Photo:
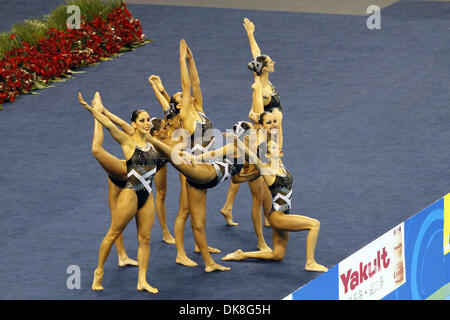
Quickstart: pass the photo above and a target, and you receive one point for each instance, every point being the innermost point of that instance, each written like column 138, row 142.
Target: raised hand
column 249, row 26
column 155, row 81
column 84, row 103
column 97, row 102
column 183, row 49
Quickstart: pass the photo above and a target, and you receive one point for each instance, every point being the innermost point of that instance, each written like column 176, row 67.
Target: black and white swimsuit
column 141, row 168
column 224, row 170
column 202, row 140
column 281, row 191
column 275, row 102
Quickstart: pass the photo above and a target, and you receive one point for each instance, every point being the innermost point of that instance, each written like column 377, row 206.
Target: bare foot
column 185, row 261
column 97, row 282
column 314, row 266
column 125, row 261
column 228, row 218
column 237, row 255
column 144, row 286
column 210, row 249
column 216, row 267
column 168, row 238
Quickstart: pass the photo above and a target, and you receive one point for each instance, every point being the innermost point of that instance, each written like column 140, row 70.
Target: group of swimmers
column 184, row 139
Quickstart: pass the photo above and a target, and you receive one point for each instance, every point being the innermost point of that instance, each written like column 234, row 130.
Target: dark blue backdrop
column 366, row 127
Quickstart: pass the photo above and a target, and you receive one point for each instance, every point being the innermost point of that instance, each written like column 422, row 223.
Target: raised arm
column 121, row 137
column 250, row 28
column 257, row 101
column 160, row 92
column 186, row 106
column 126, row 127
column 195, row 80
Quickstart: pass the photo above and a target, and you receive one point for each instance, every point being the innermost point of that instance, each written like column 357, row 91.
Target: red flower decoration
column 59, row 51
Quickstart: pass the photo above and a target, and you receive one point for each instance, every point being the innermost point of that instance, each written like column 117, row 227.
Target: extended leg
column 227, row 209
column 197, row 207
column 125, row 210
column 160, row 181
column 145, row 218
column 256, row 189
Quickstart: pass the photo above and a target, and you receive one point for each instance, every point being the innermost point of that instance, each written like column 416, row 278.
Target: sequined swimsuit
column 224, row 169
column 141, row 169
column 201, row 141
column 281, row 191
column 275, row 102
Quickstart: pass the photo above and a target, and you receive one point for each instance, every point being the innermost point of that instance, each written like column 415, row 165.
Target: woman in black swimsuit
column 202, row 172
column 279, row 180
column 187, row 113
column 262, row 66
column 136, row 198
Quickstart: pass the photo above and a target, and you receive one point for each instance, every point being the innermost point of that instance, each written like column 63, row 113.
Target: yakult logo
column 375, row 270
column 353, row 278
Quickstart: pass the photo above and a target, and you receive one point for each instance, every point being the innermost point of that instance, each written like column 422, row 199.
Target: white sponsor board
column 375, row 270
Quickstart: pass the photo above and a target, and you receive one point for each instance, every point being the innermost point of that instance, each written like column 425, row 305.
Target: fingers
column 84, row 103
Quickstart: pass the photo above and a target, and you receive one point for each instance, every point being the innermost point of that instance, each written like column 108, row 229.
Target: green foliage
column 33, row 30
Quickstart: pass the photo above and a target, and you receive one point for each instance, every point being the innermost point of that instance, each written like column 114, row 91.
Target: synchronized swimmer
column 148, row 144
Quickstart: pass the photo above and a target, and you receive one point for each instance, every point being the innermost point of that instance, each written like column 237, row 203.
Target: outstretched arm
column 265, row 170
column 160, row 92
column 250, row 28
column 195, row 80
column 121, row 137
column 250, row 175
column 97, row 103
column 228, row 150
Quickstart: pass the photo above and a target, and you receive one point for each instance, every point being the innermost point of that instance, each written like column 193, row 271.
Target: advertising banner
column 409, row 262
column 376, row 270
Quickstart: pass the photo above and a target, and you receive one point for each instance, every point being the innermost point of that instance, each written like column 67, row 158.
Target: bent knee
column 278, row 255
column 198, row 226
column 113, row 235
column 161, row 194
column 143, row 239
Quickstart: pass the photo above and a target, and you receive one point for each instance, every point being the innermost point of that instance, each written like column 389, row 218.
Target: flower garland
column 33, row 66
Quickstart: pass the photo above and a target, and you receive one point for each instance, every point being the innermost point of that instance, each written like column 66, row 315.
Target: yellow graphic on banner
column 447, row 224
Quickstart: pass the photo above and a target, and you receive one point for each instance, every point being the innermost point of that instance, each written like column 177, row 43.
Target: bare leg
column 180, row 222
column 256, row 189
column 113, row 194
column 197, row 207
column 291, row 222
column 280, row 241
column 145, row 218
column 160, row 181
column 125, row 210
column 115, row 168
column 281, row 224
column 227, row 209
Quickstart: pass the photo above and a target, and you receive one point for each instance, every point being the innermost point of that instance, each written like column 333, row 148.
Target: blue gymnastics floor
column 366, row 131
